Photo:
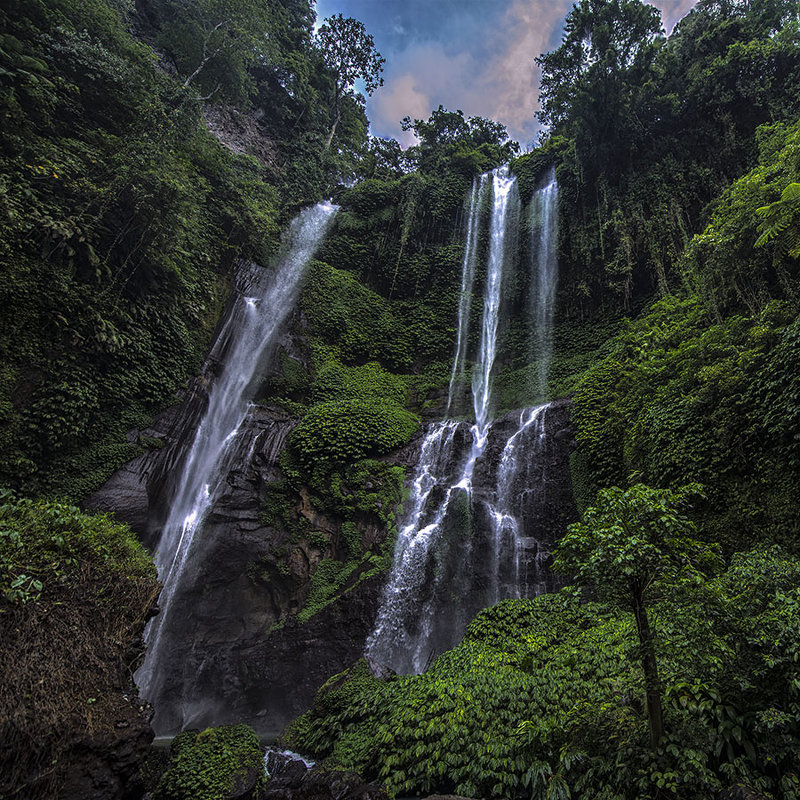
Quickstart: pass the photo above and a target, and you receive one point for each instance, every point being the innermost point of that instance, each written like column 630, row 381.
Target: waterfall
column 467, row 280
column 506, row 202
column 243, row 345
column 511, row 569
column 416, row 540
column 442, row 572
column 544, row 275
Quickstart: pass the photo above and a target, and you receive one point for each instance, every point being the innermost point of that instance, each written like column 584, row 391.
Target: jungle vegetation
column 678, row 161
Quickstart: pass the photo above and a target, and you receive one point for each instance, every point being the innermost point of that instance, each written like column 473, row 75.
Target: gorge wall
column 251, row 626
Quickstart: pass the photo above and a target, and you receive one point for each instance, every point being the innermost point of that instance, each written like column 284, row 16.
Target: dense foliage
column 75, row 590
column 633, row 547
column 214, row 763
column 546, row 696
column 123, row 216
column 703, row 386
column 114, row 262
column 648, row 130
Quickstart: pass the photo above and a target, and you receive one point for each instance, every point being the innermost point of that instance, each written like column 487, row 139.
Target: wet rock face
column 237, row 652
column 106, row 766
column 292, row 779
column 481, row 523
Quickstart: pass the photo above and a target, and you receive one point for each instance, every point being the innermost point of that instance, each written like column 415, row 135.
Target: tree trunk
column 333, row 130
column 655, row 713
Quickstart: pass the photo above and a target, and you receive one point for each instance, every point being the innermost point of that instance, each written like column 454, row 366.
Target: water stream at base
column 259, row 311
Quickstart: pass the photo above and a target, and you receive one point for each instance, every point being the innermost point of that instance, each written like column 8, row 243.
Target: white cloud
column 510, row 84
column 399, row 98
column 493, row 75
column 417, row 81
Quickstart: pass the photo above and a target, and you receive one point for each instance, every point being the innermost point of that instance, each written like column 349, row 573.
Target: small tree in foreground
column 634, row 546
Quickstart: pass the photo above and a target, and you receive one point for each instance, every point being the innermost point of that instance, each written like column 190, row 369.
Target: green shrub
column 682, row 398
column 549, row 691
column 216, row 763
column 48, row 547
column 339, row 432
column 75, row 591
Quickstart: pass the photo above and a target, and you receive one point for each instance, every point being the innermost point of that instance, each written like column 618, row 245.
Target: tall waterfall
column 244, row 343
column 466, row 540
column 544, row 275
column 506, row 206
column 468, row 265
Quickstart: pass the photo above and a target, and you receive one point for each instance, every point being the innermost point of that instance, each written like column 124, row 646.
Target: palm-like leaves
column 780, row 223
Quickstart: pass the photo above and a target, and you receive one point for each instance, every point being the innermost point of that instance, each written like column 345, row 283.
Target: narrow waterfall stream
column 266, row 299
column 544, row 276
column 469, row 263
column 468, row 538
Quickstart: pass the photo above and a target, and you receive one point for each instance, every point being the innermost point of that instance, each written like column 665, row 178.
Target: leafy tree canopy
column 606, row 42
column 630, row 547
column 214, row 42
column 634, row 544
column 348, row 51
column 447, row 136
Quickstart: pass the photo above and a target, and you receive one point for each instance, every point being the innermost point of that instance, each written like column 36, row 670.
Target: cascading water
column 506, row 204
column 467, row 541
column 544, row 275
column 467, row 280
column 513, row 491
column 242, row 347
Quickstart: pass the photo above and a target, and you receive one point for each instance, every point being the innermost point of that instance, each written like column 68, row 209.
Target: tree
column 592, row 86
column 386, row 160
column 633, row 547
column 780, row 223
column 448, row 136
column 214, row 42
column 349, row 52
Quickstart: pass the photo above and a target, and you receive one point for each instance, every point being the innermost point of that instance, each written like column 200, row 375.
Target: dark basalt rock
column 237, row 653
column 127, row 492
column 290, row 779
column 106, row 766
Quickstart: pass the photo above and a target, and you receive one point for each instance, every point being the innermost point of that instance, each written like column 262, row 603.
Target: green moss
column 351, row 539
column 326, row 583
column 339, row 432
column 358, row 322
column 218, row 762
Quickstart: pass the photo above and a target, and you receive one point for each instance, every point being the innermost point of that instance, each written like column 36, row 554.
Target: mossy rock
column 216, row 764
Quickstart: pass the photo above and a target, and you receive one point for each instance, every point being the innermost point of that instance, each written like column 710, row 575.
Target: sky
column 476, row 55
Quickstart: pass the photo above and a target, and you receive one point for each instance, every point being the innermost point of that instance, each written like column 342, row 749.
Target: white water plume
column 406, row 624
column 243, row 344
